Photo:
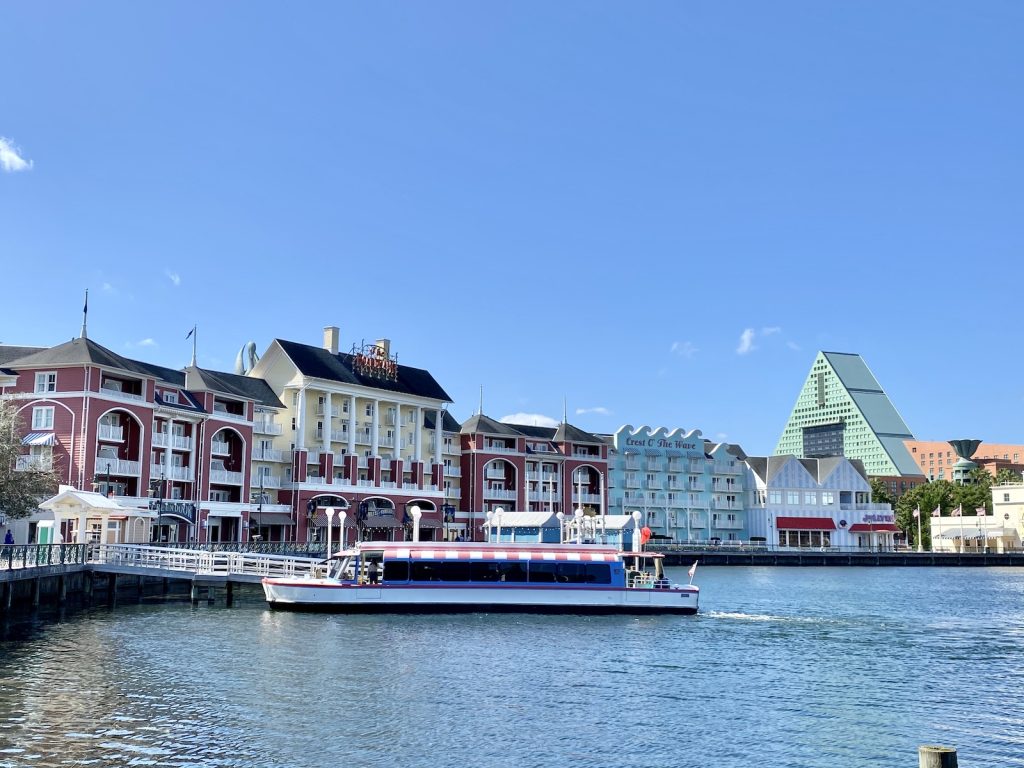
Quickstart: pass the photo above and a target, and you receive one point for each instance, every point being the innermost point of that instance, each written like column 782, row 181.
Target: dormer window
column 170, row 396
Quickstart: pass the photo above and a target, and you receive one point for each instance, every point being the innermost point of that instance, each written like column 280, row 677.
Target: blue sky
column 657, row 211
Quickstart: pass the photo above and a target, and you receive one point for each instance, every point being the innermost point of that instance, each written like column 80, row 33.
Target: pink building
column 175, row 442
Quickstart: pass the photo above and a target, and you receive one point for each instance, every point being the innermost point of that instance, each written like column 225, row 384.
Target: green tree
column 976, row 492
column 20, row 491
column 925, row 497
column 880, row 492
column 1007, row 476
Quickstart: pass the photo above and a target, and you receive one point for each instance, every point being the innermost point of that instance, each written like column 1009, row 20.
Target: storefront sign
column 183, row 509
column 882, row 518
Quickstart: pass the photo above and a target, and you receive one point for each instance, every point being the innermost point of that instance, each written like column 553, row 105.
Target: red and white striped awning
column 38, row 438
column 407, row 553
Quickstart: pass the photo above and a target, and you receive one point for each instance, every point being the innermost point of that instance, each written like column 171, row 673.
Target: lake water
column 783, row 667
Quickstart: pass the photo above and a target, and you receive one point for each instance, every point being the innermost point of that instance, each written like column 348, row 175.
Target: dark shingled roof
column 567, row 433
column 247, row 387
column 321, row 364
column 448, row 422
column 10, row 353
column 538, row 433
column 488, row 426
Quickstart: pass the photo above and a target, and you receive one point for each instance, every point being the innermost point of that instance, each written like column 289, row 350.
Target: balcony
column 726, row 524
column 695, row 486
column 181, row 474
column 727, row 468
column 656, row 483
column 177, row 442
column 695, row 465
column 866, row 507
column 266, row 427
column 220, row 448
column 495, row 474
column 453, row 493
column 655, row 465
column 33, row 464
column 586, row 498
column 118, row 467
column 268, row 481
column 676, row 465
column 385, row 441
column 312, row 457
column 321, row 410
column 340, row 435
column 110, row 432
column 632, row 482
column 499, row 448
column 720, row 504
column 450, row 471
column 268, row 454
column 499, row 493
column 632, row 462
column 224, row 477
column 228, row 416
column 363, row 436
column 117, row 394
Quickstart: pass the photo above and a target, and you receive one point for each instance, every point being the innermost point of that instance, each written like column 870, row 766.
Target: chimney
column 331, row 333
column 385, row 346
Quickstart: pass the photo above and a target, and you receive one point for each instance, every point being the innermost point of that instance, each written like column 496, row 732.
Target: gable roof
column 567, row 433
column 478, row 423
column 448, row 422
column 247, row 387
column 319, row 363
column 9, row 353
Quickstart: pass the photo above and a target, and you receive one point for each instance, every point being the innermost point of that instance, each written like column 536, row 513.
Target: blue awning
column 39, row 438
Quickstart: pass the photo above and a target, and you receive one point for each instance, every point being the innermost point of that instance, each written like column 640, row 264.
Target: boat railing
column 639, row 580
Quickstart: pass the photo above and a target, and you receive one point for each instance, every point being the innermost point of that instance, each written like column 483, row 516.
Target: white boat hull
column 331, row 595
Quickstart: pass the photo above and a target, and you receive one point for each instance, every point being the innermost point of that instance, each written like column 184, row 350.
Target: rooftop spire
column 85, row 314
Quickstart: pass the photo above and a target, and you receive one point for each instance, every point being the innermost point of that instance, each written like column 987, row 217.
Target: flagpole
column 960, row 511
column 920, row 541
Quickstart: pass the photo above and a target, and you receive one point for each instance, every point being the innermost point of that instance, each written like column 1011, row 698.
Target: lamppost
column 259, row 511
column 156, row 488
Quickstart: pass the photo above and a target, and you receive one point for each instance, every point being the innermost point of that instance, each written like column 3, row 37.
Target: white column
column 167, row 450
column 438, row 434
column 418, row 434
column 300, row 420
column 327, row 422
column 352, row 426
column 375, row 430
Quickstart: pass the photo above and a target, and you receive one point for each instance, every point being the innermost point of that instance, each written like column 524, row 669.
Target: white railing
column 33, row 464
column 362, row 436
column 499, row 449
column 656, row 483
column 228, row 416
column 654, row 465
column 110, row 432
column 183, row 474
column 217, row 446
column 116, row 393
column 631, row 482
column 341, row 435
column 117, row 466
column 179, row 442
column 268, row 454
column 267, row 427
column 386, row 442
column 224, row 477
column 321, row 410
column 364, row 483
column 727, row 524
column 451, row 493
column 496, row 493
column 269, row 481
column 495, row 474
column 205, row 562
column 676, row 465
column 586, row 498
column 727, row 467
column 388, row 484
column 452, row 471
column 866, row 507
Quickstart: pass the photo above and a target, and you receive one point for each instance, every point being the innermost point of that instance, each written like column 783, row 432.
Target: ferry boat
column 448, row 577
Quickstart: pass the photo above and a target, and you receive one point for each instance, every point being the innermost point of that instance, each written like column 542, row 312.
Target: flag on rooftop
column 981, row 511
column 917, row 511
column 937, row 511
column 957, row 512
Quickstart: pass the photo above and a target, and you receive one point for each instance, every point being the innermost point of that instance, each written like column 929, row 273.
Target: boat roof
column 479, row 550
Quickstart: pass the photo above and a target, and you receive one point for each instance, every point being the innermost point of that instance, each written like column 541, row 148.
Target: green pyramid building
column 843, row 411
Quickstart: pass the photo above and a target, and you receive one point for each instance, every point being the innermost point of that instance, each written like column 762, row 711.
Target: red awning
column 805, row 523
column 874, row 528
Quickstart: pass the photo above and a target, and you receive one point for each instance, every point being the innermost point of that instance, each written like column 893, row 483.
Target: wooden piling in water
column 36, row 589
column 932, row 756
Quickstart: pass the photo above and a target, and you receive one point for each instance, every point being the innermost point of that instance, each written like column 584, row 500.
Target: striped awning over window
column 39, row 438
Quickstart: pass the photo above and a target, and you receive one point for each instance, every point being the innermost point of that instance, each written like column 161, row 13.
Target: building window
column 793, row 497
column 1006, row 497
column 46, row 382
column 369, row 409
column 811, row 498
column 42, row 418
column 774, row 497
column 827, row 498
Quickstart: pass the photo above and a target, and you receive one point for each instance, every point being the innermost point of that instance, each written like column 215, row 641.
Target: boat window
column 492, row 570
column 598, row 573
column 542, row 573
column 426, row 571
column 396, row 570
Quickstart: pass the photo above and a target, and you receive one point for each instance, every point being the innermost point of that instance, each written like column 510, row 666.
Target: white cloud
column 599, row 410
column 107, row 288
column 10, row 160
column 721, row 437
column 771, row 330
column 174, row 277
column 793, row 345
column 683, row 348
column 530, row 419
column 746, row 342
column 147, row 342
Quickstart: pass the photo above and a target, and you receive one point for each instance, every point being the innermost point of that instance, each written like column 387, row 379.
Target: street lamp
column 156, row 488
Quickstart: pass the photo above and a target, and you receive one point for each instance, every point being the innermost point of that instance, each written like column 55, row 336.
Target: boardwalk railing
column 18, row 556
column 202, row 561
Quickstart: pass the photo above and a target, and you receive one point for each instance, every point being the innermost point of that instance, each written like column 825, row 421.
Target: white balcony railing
column 497, row 448
column 266, row 427
column 452, row 471
column 177, row 442
column 224, row 477
column 33, row 464
column 498, row 493
column 219, row 447
column 117, row 466
column 118, row 394
column 341, row 435
column 586, row 498
column 269, row 481
column 109, row 432
column 452, row 493
column 386, row 442
column 495, row 474
column 268, row 454
column 181, row 474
